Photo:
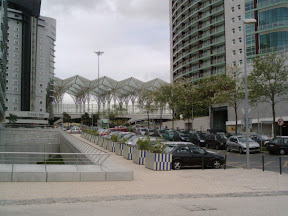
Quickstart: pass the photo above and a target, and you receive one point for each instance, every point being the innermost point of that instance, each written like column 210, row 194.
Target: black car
column 278, row 145
column 192, row 155
column 183, row 136
column 217, row 141
column 198, row 139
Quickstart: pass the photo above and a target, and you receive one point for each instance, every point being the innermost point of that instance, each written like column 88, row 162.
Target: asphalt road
column 271, row 162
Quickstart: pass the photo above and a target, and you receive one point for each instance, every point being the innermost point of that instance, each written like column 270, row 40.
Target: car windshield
column 243, row 139
column 169, row 148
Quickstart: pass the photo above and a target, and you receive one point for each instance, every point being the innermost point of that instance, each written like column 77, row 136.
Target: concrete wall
column 199, row 124
column 28, row 140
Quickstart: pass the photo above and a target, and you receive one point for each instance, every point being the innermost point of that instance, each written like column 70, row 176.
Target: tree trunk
column 274, row 118
column 148, row 121
column 236, row 119
column 161, row 112
column 173, row 119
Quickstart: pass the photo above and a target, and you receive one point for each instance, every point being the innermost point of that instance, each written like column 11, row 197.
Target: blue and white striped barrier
column 128, row 152
column 139, row 156
column 157, row 161
column 119, row 148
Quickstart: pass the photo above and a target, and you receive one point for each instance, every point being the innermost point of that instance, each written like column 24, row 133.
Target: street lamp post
column 99, row 53
column 246, row 21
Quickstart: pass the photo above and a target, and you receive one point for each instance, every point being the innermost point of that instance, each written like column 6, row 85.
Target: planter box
column 157, row 161
column 139, row 156
column 111, row 146
column 119, row 149
column 101, row 143
column 105, row 142
column 128, row 152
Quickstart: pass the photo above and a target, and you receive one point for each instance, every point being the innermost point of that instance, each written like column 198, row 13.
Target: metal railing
column 43, row 158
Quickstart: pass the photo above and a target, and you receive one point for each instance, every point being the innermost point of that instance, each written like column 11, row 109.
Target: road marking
column 286, row 163
column 233, row 162
column 218, row 151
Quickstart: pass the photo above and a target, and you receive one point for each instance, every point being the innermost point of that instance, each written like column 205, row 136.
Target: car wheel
column 241, row 150
column 281, row 151
column 228, row 148
column 177, row 165
column 216, row 164
column 207, row 145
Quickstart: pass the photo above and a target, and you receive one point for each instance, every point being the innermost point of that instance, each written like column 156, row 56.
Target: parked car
column 171, row 135
column 279, row 145
column 260, row 139
column 141, row 131
column 238, row 143
column 107, row 131
column 158, row 133
column 192, row 155
column 74, row 130
column 133, row 139
column 184, row 136
column 198, row 139
column 217, row 141
column 149, row 132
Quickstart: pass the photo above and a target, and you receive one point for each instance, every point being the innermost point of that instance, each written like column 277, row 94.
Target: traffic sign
column 280, row 122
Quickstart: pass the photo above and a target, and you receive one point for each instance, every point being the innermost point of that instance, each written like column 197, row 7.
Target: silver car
column 238, row 143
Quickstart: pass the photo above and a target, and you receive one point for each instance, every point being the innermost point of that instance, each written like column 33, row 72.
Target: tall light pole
column 246, row 21
column 99, row 53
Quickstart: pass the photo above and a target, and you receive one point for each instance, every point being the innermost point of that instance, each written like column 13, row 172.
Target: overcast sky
column 134, row 35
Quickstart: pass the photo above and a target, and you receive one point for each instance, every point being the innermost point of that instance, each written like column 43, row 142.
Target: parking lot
column 271, row 162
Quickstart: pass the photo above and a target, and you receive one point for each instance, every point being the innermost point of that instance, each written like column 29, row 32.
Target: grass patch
column 53, row 160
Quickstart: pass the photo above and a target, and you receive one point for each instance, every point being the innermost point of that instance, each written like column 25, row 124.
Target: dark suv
column 278, row 145
column 192, row 155
column 217, row 141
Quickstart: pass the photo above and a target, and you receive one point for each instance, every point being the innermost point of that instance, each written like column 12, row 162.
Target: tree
column 160, row 103
column 96, row 117
column 119, row 109
column 234, row 95
column 168, row 92
column 66, row 118
column 208, row 88
column 186, row 104
column 147, row 103
column 12, row 118
column 268, row 81
column 86, row 118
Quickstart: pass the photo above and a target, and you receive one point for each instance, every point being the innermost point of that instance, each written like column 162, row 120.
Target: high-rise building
column 30, row 66
column 197, row 38
column 3, row 55
column 208, row 35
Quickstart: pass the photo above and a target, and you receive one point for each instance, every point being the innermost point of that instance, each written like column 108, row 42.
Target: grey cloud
column 146, row 9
